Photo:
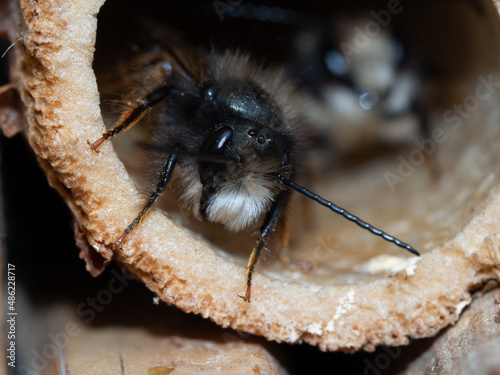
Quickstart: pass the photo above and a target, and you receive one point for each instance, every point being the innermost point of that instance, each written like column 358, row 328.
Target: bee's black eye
column 215, row 145
column 252, row 132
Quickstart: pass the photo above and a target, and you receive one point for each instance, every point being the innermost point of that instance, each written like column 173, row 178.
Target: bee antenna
column 345, row 214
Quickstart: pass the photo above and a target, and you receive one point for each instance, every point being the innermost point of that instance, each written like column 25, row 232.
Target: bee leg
column 272, row 223
column 426, row 133
column 252, row 262
column 165, row 175
column 283, row 255
column 133, row 115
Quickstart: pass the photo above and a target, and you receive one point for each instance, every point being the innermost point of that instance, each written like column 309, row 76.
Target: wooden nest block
column 358, row 295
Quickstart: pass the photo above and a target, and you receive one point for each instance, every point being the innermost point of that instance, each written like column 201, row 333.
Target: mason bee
column 233, row 132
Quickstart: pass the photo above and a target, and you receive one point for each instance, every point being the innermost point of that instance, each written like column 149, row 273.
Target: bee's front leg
column 164, row 179
column 133, row 115
column 273, row 231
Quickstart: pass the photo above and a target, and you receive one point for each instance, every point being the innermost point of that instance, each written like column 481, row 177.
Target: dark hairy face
column 247, row 119
column 247, row 127
column 247, row 130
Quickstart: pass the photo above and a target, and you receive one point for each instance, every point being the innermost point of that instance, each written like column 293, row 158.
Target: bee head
column 248, row 131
